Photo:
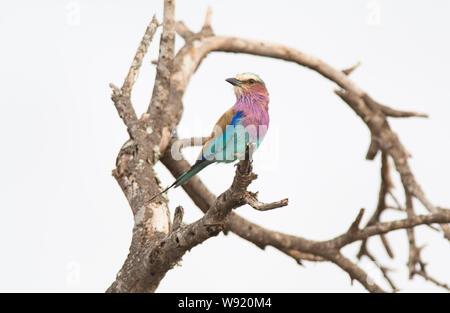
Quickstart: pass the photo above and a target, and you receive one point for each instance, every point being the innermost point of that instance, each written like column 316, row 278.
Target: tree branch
column 139, row 56
column 295, row 247
column 252, row 200
column 385, row 189
column 160, row 95
column 350, row 70
column 385, row 227
column 134, row 165
column 388, row 141
column 160, row 256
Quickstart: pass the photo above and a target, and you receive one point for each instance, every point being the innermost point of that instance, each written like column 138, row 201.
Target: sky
column 66, row 226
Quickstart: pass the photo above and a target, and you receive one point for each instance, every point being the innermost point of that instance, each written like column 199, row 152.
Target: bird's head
column 248, row 84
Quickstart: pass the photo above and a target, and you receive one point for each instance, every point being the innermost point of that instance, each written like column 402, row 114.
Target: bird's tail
column 197, row 167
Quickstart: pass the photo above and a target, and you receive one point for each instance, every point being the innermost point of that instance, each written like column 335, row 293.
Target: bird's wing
column 219, row 136
column 219, row 139
column 222, row 123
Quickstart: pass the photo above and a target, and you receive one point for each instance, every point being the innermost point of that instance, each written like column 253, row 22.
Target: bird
column 245, row 123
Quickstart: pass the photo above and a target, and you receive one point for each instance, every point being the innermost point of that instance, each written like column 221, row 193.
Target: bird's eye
column 251, row 81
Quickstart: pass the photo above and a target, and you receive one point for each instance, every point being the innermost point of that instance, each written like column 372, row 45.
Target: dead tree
column 158, row 244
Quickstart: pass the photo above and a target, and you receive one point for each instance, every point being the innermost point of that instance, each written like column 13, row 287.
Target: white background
column 65, row 224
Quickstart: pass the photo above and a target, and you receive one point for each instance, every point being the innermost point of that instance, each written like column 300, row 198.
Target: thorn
column 355, row 225
column 349, row 70
column 207, row 22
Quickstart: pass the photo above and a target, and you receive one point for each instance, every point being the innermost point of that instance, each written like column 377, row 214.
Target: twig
column 126, row 111
column 183, row 30
column 160, row 95
column 121, row 98
column 207, row 22
column 399, row 206
column 384, row 270
column 385, row 188
column 252, row 200
column 350, row 70
column 354, row 271
column 388, row 111
column 354, row 227
column 385, row 227
column 139, row 56
column 432, row 280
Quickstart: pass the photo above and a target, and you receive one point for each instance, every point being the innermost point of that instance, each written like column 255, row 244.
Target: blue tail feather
column 197, row 167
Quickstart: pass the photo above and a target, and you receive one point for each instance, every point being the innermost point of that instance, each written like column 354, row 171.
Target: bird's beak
column 234, row 81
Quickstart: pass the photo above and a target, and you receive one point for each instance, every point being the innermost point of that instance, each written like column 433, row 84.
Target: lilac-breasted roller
column 245, row 123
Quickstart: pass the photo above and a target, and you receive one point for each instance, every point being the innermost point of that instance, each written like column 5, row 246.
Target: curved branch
column 252, row 200
column 385, row 227
column 361, row 104
column 382, row 136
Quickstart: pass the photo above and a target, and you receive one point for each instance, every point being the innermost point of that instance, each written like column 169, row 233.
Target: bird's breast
column 255, row 117
column 256, row 124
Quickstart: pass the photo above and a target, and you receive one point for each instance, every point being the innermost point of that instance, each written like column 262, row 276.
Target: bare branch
column 414, row 252
column 385, row 227
column 208, row 16
column 161, row 87
column 355, row 272
column 354, row 227
column 399, row 206
column 389, row 142
column 126, row 111
column 432, row 280
column 388, row 111
column 158, row 257
column 293, row 246
column 300, row 256
column 182, row 30
column 385, row 189
column 139, row 56
column 252, row 200
column 387, row 246
column 134, row 165
column 121, row 98
column 384, row 270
